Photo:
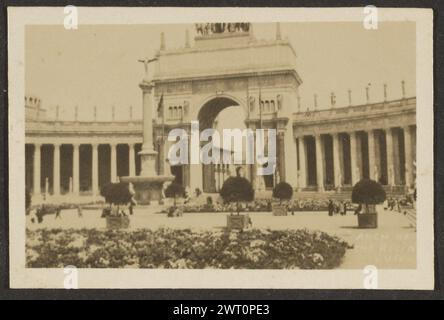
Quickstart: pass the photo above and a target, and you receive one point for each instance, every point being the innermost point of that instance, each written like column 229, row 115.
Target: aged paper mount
column 93, row 105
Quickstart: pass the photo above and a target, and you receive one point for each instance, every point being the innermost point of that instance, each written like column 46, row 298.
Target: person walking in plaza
column 358, row 209
column 344, row 209
column 385, row 204
column 331, row 208
column 341, row 207
column 57, row 213
column 79, row 211
column 398, row 205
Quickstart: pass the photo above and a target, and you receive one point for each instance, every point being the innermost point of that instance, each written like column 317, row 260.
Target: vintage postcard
column 221, row 148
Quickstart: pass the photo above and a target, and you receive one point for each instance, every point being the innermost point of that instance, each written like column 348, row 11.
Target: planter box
column 175, row 212
column 279, row 210
column 368, row 220
column 113, row 222
column 238, row 222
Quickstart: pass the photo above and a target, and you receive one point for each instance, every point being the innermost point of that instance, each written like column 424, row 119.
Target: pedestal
column 148, row 186
column 147, row 189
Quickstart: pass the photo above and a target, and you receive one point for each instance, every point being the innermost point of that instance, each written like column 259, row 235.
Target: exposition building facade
column 317, row 151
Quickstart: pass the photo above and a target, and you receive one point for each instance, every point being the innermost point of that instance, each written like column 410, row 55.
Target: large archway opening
column 219, row 113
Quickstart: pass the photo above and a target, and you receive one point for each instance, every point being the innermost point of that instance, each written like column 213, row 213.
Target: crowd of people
column 39, row 212
column 263, row 205
column 201, row 203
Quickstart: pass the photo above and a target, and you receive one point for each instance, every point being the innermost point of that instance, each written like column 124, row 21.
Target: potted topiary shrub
column 368, row 193
column 282, row 191
column 175, row 190
column 237, row 190
column 116, row 195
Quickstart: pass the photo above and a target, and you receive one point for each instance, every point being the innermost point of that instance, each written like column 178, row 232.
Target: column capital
column 146, row 86
column 37, row 145
column 75, row 145
column 57, row 144
column 95, row 145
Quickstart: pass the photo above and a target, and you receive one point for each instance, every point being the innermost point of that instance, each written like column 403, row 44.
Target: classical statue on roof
column 205, row 29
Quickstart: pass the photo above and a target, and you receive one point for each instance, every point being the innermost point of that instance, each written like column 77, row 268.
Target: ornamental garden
column 130, row 237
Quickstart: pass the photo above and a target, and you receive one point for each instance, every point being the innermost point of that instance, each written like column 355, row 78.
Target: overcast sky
column 97, row 65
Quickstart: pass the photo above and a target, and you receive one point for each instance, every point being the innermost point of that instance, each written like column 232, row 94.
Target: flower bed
column 167, row 248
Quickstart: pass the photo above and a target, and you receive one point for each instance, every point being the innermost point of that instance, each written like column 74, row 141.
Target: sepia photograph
column 221, row 149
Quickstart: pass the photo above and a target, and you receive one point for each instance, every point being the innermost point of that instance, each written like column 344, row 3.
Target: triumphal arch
column 225, row 67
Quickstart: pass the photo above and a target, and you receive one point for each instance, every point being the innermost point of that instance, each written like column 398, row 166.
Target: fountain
column 148, row 185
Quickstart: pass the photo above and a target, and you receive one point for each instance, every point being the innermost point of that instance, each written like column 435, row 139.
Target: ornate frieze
column 180, row 87
column 219, row 85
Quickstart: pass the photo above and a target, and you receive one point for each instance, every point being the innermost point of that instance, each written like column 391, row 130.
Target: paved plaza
column 392, row 245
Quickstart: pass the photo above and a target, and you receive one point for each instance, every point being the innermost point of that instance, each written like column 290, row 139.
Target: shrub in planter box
column 282, row 191
column 367, row 193
column 116, row 195
column 173, row 191
column 239, row 222
column 236, row 190
column 117, row 222
column 175, row 211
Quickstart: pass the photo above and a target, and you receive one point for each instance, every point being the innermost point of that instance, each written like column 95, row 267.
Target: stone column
column 132, row 161
column 389, row 146
column 288, row 169
column 296, row 164
column 408, row 156
column 147, row 154
column 336, row 163
column 319, row 163
column 396, row 157
column 37, row 168
column 353, row 158
column 217, row 176
column 56, row 167
column 371, row 155
column 377, row 150
column 281, row 159
column 113, row 162
column 95, row 169
column 75, row 169
column 302, row 163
